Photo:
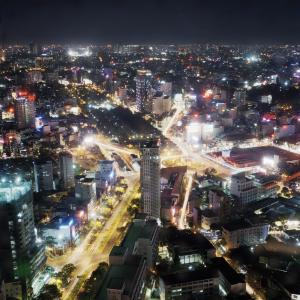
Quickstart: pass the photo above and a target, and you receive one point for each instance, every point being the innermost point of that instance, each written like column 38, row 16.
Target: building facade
column 85, row 189
column 244, row 189
column 150, row 178
column 244, row 233
column 43, row 176
column 144, row 91
column 66, row 169
column 21, row 256
column 24, row 113
column 107, row 175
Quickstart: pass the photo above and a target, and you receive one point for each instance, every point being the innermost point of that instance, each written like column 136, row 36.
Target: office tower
column 85, row 189
column 150, row 178
column 66, row 169
column 21, row 255
column 43, row 175
column 24, row 113
column 143, row 91
column 106, row 176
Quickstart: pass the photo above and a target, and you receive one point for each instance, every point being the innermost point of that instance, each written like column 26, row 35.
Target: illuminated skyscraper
column 150, row 178
column 66, row 169
column 144, row 91
column 43, row 176
column 21, row 255
column 25, row 113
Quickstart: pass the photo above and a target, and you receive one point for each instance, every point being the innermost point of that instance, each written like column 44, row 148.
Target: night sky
column 144, row 21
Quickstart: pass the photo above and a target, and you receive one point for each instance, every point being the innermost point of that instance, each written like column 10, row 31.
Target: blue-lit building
column 22, row 255
column 61, row 233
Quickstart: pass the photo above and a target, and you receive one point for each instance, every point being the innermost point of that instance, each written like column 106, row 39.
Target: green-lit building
column 21, row 255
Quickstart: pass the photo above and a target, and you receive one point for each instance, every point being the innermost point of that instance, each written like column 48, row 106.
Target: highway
column 86, row 257
column 172, row 121
column 188, row 189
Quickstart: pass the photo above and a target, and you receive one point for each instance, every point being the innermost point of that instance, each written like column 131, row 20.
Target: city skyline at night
column 149, row 150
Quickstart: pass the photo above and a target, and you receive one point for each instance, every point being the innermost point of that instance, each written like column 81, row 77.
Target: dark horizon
column 148, row 22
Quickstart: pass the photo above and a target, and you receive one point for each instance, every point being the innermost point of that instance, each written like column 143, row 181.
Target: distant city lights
column 79, row 52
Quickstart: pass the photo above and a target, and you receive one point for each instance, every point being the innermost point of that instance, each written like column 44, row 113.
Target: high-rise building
column 144, row 91
column 106, row 176
column 150, row 178
column 21, row 255
column 24, row 113
column 85, row 189
column 66, row 169
column 43, row 175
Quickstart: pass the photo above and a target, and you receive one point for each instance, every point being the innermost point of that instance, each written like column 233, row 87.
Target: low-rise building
column 243, row 189
column 233, row 283
column 60, row 234
column 184, row 284
column 244, row 233
column 189, row 248
column 209, row 218
column 161, row 104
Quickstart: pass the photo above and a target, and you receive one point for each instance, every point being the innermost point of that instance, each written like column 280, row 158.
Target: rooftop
column 190, row 276
column 58, row 221
column 237, row 224
column 186, row 241
column 118, row 251
column 119, row 276
column 150, row 144
column 139, row 229
column 229, row 273
column 290, row 279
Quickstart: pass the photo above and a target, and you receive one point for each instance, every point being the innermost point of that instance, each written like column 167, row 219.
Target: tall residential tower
column 66, row 169
column 144, row 91
column 150, row 178
column 24, row 113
